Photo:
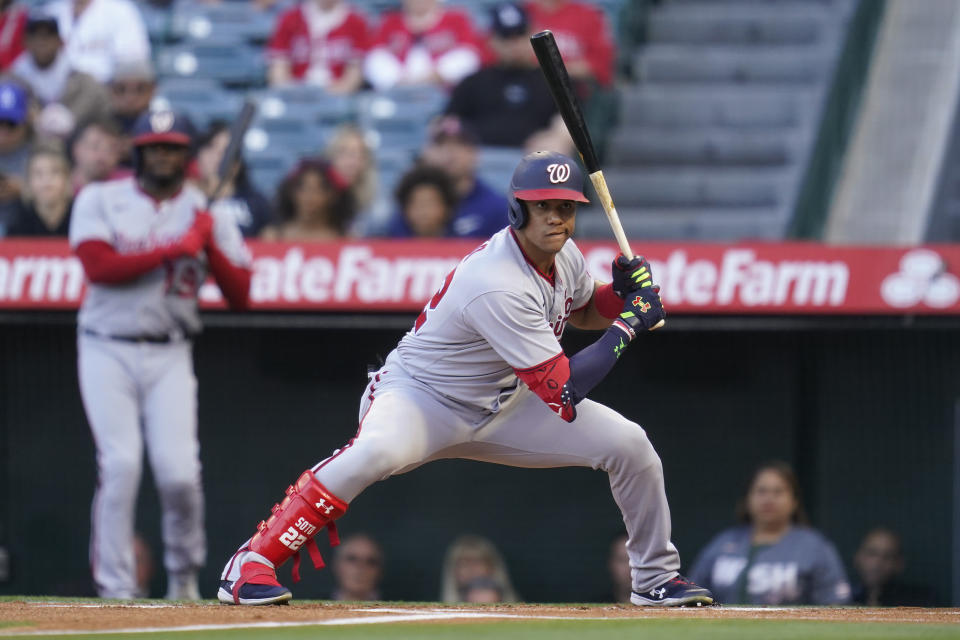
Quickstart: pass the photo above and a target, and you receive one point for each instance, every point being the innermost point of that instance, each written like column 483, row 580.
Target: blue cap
column 162, row 127
column 547, row 175
column 509, row 20
column 13, row 102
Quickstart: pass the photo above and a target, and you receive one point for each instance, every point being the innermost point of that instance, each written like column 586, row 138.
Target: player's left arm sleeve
column 230, row 262
column 829, row 580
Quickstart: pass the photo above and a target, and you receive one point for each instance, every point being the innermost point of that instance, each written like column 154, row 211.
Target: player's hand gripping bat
column 230, row 162
column 555, row 72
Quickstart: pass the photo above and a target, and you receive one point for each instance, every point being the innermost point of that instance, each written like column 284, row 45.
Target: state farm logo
column 922, row 278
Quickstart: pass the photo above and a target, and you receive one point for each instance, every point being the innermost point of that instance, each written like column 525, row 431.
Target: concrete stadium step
column 706, row 106
column 652, row 146
column 705, row 25
column 673, row 187
column 698, row 224
column 768, row 65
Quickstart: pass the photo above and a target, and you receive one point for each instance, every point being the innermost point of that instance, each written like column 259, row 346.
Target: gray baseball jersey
column 803, row 567
column 163, row 301
column 144, row 395
column 494, row 314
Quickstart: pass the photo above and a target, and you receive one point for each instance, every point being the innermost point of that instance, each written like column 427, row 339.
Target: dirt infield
column 30, row 615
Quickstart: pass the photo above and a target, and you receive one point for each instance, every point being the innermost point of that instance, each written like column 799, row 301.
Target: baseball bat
column 558, row 80
column 234, row 150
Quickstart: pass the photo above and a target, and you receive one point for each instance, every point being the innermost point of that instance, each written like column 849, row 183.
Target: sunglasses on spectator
column 370, row 561
column 121, row 88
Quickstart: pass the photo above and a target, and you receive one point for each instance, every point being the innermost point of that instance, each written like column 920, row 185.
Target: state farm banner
column 400, row 275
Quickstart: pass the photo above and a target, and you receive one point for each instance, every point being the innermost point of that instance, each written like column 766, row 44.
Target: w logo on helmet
column 558, row 172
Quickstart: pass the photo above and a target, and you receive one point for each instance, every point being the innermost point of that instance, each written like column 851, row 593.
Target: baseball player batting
column 481, row 375
column 146, row 244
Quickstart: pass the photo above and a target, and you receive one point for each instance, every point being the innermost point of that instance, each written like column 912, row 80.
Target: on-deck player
column 481, row 375
column 146, row 243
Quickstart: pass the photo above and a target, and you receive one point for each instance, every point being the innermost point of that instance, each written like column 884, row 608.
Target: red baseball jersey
column 13, row 21
column 331, row 45
column 582, row 33
column 453, row 29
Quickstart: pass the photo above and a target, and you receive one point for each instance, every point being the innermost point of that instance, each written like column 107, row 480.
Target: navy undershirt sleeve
column 590, row 365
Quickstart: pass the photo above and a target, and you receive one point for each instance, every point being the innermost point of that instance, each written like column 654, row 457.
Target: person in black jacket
column 508, row 103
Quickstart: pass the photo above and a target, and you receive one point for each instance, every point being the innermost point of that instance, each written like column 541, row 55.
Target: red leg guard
column 307, row 508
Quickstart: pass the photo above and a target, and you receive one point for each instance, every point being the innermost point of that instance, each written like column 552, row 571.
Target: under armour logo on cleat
column 658, row 593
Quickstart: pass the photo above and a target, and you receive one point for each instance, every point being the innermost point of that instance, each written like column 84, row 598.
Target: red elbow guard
column 549, row 380
column 608, row 303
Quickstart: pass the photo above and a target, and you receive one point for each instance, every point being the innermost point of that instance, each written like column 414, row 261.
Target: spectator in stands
column 357, row 568
column 321, row 43
column 16, row 139
column 65, row 96
column 879, row 565
column 99, row 34
column 47, row 197
column 131, row 91
column 587, row 44
column 237, row 196
column 95, row 151
column 508, row 103
column 313, row 203
column 13, row 21
column 482, row 590
column 353, row 159
column 452, row 146
column 423, row 44
column 618, row 563
column 132, row 87
column 774, row 557
column 583, row 36
column 470, row 562
column 426, row 202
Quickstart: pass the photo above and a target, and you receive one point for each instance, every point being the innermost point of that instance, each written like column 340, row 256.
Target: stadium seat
column 290, row 135
column 237, row 22
column 203, row 100
column 770, row 65
column 267, row 169
column 703, row 107
column 495, row 165
column 653, row 146
column 228, row 63
column 307, row 103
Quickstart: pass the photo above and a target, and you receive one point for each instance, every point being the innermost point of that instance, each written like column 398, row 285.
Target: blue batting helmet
column 543, row 175
column 162, row 127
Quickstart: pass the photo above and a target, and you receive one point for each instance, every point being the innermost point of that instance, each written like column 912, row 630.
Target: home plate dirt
column 93, row 615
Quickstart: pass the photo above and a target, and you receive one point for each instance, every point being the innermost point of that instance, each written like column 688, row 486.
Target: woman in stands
column 472, row 565
column 352, row 158
column 426, row 203
column 314, row 203
column 773, row 557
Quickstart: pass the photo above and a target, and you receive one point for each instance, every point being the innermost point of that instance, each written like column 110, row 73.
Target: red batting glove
column 195, row 239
